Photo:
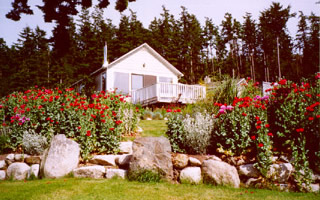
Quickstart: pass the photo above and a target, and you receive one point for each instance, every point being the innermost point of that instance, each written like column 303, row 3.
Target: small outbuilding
column 147, row 77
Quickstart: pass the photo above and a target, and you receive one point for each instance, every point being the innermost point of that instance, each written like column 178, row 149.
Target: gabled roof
column 151, row 50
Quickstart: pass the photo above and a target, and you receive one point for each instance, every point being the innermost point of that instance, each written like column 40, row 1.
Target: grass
column 153, row 128
column 71, row 188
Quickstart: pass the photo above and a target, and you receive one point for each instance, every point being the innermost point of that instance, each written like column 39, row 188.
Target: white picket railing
column 169, row 92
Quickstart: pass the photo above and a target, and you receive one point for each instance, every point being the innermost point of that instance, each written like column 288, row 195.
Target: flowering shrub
column 243, row 128
column 296, row 108
column 96, row 123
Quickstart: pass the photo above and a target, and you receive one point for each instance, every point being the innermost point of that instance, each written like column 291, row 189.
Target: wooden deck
column 168, row 93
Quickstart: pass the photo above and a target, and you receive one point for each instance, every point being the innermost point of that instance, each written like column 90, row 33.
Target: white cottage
column 147, row 77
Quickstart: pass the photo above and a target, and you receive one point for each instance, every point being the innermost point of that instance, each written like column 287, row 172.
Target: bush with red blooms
column 95, row 122
column 294, row 113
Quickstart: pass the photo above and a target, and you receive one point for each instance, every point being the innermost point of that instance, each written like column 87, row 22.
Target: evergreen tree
column 273, row 28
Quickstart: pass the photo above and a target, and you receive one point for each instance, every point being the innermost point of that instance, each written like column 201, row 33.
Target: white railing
column 169, row 92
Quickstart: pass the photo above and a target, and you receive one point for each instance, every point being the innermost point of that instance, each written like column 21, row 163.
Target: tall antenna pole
column 278, row 58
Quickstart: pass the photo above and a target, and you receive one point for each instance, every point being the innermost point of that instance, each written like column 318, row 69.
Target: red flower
column 270, row 134
column 258, row 122
column 39, row 107
column 244, row 114
column 253, row 137
column 260, row 145
column 283, row 82
column 257, row 118
column 61, row 109
column 311, row 118
column 318, row 116
column 48, row 119
column 118, row 122
column 267, row 125
column 103, row 121
column 79, row 127
column 300, row 130
column 258, row 127
column 93, row 116
column 88, row 133
column 169, row 110
column 111, row 129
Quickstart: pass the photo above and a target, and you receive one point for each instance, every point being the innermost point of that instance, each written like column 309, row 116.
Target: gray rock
column 3, row 164
column 191, row 175
column 34, row 169
column 125, row 148
column 10, row 159
column 274, row 158
column 213, row 157
column 2, row 174
column 251, row 182
column 61, row 158
column 315, row 187
column 139, row 130
column 280, row 172
column 32, row 160
column 120, row 173
column 220, row 173
column 107, row 160
column 249, row 171
column 18, row 171
column 241, row 162
column 194, row 162
column 180, row 161
column 123, row 161
column 20, row 157
column 284, row 187
column 152, row 153
column 96, row 172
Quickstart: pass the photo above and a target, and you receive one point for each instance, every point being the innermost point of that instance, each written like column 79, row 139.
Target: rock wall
column 62, row 158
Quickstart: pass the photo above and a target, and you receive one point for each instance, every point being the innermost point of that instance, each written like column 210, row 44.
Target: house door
column 136, row 81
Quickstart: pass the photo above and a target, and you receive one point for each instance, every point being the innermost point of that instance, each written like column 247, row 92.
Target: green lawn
column 71, row 188
column 153, row 128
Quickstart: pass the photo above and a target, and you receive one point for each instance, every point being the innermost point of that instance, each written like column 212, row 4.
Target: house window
column 104, row 81
column 165, row 79
column 136, row 81
column 121, row 82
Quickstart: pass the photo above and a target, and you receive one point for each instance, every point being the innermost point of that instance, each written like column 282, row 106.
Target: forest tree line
column 249, row 49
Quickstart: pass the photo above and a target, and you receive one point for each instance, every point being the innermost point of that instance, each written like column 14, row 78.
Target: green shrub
column 145, row 176
column 197, row 132
column 157, row 116
column 34, row 144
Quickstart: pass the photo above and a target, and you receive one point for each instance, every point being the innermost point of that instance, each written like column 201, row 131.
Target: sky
column 147, row 10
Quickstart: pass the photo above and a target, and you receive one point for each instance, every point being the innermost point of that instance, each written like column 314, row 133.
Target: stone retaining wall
column 62, row 158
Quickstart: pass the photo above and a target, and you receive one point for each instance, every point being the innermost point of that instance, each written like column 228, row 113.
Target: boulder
column 96, row 172
column 220, row 173
column 2, row 174
column 61, row 158
column 32, row 160
column 251, row 182
column 180, row 161
column 152, row 153
column 125, row 148
column 34, row 169
column 194, row 162
column 3, row 164
column 315, row 187
column 18, row 171
column 280, row 172
column 190, row 175
column 123, row 161
column 248, row 170
column 120, row 173
column 20, row 157
column 10, row 159
column 107, row 160
column 213, row 157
